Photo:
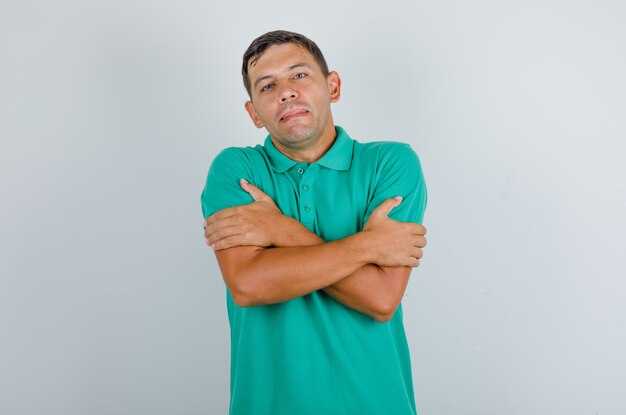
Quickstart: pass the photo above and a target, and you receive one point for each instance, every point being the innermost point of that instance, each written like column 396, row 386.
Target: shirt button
column 305, row 187
column 300, row 170
column 307, row 208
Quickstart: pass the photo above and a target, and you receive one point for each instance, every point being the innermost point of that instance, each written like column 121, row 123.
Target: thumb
column 254, row 191
column 386, row 207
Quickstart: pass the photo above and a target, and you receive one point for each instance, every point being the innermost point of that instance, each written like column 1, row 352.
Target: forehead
column 278, row 58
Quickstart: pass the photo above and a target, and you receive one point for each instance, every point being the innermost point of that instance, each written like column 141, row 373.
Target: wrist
column 359, row 247
column 293, row 233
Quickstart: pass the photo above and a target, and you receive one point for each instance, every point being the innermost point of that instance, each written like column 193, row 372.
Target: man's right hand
column 393, row 243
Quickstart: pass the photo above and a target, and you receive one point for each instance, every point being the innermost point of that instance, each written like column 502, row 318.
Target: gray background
column 111, row 112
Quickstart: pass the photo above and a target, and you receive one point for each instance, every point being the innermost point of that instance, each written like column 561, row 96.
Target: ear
column 334, row 86
column 253, row 115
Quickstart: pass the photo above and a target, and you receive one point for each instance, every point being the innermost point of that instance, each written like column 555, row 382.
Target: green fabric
column 312, row 355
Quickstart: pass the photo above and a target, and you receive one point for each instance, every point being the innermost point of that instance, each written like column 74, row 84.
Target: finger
column 411, row 261
column 415, row 228
column 421, row 229
column 385, row 207
column 420, row 241
column 222, row 233
column 414, row 253
column 214, row 226
column 229, row 242
column 213, row 223
column 417, row 253
column 221, row 215
column 256, row 193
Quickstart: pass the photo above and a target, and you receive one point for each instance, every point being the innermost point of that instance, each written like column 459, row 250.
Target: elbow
column 239, row 274
column 388, row 301
column 382, row 318
column 385, row 312
column 240, row 299
column 379, row 318
column 243, row 294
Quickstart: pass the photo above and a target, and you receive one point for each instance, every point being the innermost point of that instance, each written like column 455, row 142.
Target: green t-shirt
column 313, row 355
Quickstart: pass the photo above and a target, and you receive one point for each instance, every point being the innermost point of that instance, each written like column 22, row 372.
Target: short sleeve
column 222, row 189
column 399, row 173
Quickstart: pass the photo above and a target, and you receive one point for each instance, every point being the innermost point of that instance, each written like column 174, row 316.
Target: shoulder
column 238, row 155
column 239, row 159
column 387, row 153
column 394, row 169
column 222, row 188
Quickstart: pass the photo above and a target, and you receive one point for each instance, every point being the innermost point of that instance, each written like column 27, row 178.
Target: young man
column 316, row 235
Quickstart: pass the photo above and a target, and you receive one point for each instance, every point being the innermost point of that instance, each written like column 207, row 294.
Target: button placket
column 306, row 196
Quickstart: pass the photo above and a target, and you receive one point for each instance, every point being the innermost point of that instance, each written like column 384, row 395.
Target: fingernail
column 398, row 198
column 244, row 180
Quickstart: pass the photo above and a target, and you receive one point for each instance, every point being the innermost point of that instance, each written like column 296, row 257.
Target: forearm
column 372, row 290
column 293, row 233
column 276, row 259
column 369, row 289
column 258, row 276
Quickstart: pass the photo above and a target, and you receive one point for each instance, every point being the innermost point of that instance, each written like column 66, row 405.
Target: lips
column 293, row 113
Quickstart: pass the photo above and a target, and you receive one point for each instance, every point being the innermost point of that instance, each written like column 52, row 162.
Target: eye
column 267, row 87
column 299, row 75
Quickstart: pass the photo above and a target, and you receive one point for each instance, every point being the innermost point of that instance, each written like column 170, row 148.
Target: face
column 291, row 97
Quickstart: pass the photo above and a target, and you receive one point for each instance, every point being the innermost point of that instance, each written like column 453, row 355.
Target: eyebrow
column 291, row 68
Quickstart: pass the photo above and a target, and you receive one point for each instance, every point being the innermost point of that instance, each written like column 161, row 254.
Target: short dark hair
column 278, row 37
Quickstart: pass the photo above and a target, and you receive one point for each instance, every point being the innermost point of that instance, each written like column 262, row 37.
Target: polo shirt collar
column 338, row 156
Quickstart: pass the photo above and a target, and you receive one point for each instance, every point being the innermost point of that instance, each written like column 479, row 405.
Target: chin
column 300, row 134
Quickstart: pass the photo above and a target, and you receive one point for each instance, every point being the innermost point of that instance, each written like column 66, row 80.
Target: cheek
column 264, row 111
column 322, row 95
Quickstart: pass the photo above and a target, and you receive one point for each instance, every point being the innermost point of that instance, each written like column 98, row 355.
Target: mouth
column 294, row 113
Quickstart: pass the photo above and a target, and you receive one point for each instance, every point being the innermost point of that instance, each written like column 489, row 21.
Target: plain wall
column 111, row 111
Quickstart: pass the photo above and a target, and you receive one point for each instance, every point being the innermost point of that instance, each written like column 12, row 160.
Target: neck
column 316, row 151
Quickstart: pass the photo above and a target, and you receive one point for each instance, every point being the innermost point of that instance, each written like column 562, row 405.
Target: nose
column 288, row 93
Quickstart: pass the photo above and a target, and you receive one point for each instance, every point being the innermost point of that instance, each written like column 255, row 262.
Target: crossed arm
column 367, row 271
